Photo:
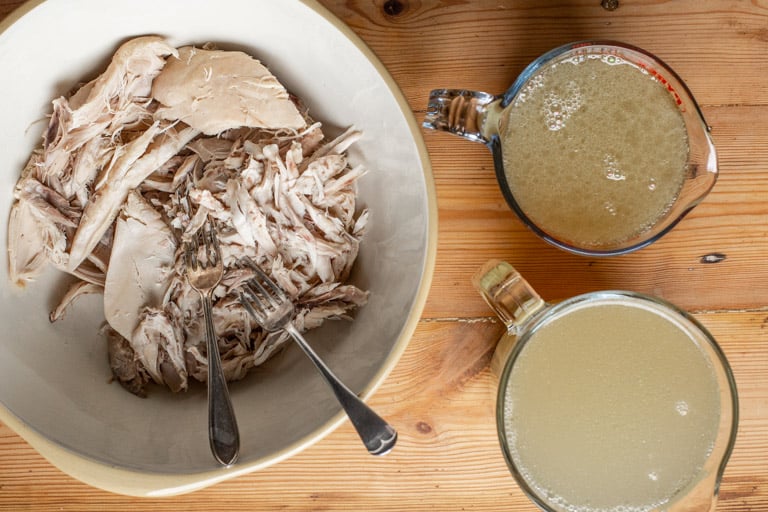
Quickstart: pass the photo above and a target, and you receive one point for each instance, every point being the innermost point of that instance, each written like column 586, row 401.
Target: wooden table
column 440, row 396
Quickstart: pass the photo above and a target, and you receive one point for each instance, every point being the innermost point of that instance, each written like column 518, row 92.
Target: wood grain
column 716, row 46
column 441, row 394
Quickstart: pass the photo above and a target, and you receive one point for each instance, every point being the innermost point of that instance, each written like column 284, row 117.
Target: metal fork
column 273, row 310
column 202, row 256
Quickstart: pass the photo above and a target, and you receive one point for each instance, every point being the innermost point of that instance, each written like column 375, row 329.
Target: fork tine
column 214, row 243
column 190, row 258
column 208, row 237
column 257, row 293
column 213, row 250
column 263, row 281
column 276, row 290
column 263, row 292
column 186, row 253
column 247, row 299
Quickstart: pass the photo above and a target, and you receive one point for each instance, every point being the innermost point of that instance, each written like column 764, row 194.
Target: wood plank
column 717, row 46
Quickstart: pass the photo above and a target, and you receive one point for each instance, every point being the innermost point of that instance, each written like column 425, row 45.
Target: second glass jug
column 609, row 401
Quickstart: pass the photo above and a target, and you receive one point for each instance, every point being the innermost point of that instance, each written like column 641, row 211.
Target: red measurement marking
column 658, row 76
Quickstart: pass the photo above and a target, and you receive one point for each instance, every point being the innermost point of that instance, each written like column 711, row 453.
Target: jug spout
column 508, row 294
column 460, row 112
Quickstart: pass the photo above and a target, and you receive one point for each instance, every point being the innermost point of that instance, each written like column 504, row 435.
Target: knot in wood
column 423, row 427
column 394, row 7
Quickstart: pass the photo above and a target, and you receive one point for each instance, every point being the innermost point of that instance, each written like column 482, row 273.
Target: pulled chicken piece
column 214, row 91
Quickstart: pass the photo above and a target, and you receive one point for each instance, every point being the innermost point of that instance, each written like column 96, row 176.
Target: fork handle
column 223, row 433
column 378, row 436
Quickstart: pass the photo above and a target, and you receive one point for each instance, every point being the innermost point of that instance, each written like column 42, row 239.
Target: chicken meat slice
column 214, row 91
column 78, row 289
column 27, row 240
column 143, row 259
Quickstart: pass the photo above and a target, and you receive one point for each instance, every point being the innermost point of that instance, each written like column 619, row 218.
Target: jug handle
column 460, row 112
column 508, row 294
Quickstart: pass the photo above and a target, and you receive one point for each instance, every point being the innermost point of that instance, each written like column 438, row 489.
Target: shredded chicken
column 137, row 159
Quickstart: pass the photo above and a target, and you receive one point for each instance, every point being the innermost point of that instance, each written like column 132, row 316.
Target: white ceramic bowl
column 54, row 378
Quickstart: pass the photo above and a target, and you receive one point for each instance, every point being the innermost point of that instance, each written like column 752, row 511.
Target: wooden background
column 440, row 396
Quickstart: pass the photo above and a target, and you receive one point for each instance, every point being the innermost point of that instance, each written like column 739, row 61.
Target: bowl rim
column 149, row 484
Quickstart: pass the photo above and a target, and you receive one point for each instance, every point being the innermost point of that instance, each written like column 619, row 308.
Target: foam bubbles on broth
column 595, row 150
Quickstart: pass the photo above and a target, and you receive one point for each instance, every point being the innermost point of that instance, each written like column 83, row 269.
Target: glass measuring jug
column 610, row 401
column 598, row 147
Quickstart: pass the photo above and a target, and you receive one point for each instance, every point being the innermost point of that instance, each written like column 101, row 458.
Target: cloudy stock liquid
column 611, row 407
column 595, row 150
